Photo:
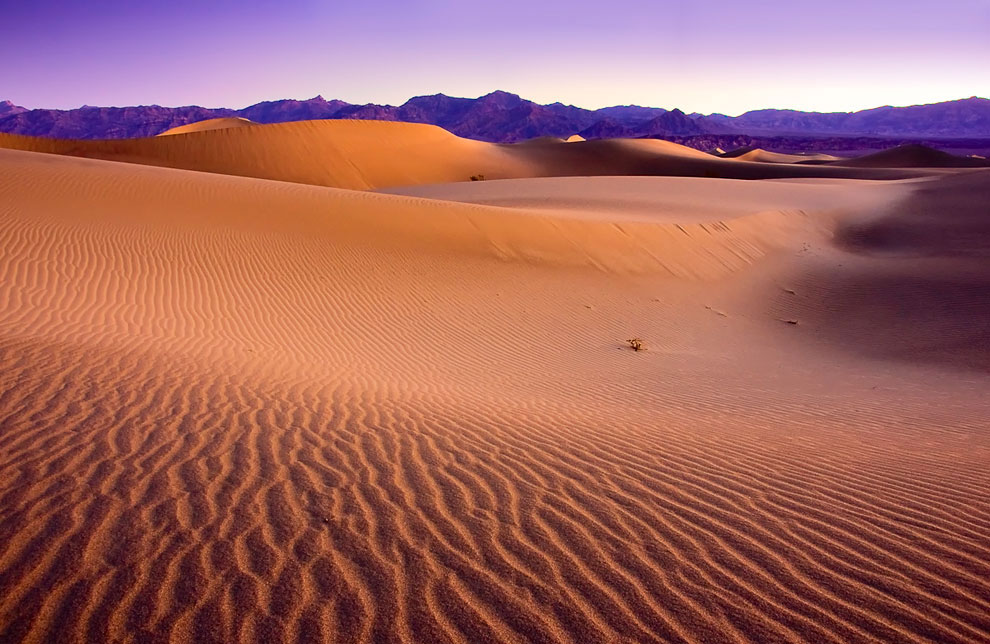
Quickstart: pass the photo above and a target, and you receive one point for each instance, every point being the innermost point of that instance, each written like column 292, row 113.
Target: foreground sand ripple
column 187, row 504
column 264, row 417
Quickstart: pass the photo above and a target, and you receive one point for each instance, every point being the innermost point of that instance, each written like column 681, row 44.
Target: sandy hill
column 659, row 201
column 234, row 408
column 912, row 156
column 932, row 254
column 765, row 156
column 376, row 154
column 209, row 124
column 737, row 152
column 346, row 153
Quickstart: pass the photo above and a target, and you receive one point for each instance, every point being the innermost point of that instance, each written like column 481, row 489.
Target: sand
column 236, row 408
column 766, row 156
column 362, row 155
column 209, row 124
column 912, row 156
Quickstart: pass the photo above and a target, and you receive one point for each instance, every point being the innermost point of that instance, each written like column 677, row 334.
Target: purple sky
column 720, row 55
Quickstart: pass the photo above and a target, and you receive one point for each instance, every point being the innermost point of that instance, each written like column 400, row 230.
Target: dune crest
column 912, row 156
column 209, row 124
column 765, row 156
column 362, row 155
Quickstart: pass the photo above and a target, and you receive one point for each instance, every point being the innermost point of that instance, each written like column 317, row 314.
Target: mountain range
column 504, row 117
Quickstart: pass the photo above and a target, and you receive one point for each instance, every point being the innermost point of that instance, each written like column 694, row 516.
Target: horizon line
column 358, row 104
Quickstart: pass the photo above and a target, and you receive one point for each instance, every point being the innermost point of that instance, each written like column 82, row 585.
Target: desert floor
column 306, row 382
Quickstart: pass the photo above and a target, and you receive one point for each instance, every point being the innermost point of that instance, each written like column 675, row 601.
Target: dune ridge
column 245, row 409
column 766, row 156
column 209, row 124
column 912, row 156
column 364, row 155
column 703, row 244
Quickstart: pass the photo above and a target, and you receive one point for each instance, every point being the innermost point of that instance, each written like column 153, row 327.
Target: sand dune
column 654, row 157
column 912, row 156
column 245, row 409
column 632, row 238
column 377, row 154
column 915, row 286
column 765, row 156
column 345, row 153
column 209, row 124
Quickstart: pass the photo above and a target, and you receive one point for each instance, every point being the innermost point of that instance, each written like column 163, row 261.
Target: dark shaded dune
column 946, row 218
column 662, row 158
column 914, row 283
column 940, row 315
column 912, row 156
column 815, row 162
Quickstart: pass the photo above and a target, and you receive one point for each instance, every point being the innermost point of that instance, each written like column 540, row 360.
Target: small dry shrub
column 636, row 344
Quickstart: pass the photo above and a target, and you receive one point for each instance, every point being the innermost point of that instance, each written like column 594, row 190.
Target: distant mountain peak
column 8, row 108
column 435, row 97
column 500, row 93
column 504, row 117
column 502, row 99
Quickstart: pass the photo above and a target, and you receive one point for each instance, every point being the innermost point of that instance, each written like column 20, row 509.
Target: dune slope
column 765, row 156
column 376, row 154
column 911, row 284
column 209, row 124
column 912, row 156
column 237, row 409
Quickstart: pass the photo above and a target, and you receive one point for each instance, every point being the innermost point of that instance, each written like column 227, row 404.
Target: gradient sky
column 724, row 56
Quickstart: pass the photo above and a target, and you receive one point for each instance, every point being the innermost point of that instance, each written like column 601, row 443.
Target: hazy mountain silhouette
column 505, row 117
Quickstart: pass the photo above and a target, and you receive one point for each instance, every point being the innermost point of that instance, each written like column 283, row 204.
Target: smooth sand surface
column 663, row 199
column 209, row 124
column 243, row 409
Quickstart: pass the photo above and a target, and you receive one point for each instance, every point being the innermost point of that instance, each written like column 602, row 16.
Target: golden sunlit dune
column 344, row 154
column 364, row 155
column 209, row 124
column 309, row 382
